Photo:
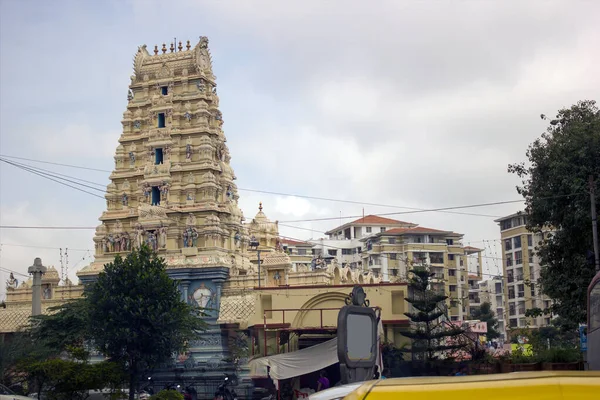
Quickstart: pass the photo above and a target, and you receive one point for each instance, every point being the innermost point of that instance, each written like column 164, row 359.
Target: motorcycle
column 223, row 392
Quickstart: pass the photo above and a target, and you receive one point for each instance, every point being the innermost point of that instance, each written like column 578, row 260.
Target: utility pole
column 594, row 223
column 37, row 270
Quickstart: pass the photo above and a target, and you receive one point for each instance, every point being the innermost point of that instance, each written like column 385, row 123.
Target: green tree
column 554, row 186
column 133, row 314
column 16, row 348
column 136, row 314
column 62, row 379
column 484, row 313
column 429, row 331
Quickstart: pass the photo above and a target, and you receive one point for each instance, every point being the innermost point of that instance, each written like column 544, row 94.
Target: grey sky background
column 416, row 104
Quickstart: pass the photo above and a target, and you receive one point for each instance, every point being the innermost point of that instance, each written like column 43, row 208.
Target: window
column 453, row 288
column 450, row 257
column 392, row 240
column 521, row 289
column 518, row 257
column 161, row 120
column 155, row 195
column 509, row 276
column 507, row 244
column 449, row 242
column 158, row 156
column 358, row 250
column 511, row 292
column 454, row 318
column 517, row 242
column 504, row 225
column 393, row 256
column 346, row 252
column 332, row 252
column 417, row 257
column 530, row 241
column 532, row 290
column 436, row 258
column 301, row 252
column 509, row 260
column 164, row 90
column 382, row 229
column 530, row 257
column 513, row 323
column 511, row 309
column 369, row 229
column 452, row 272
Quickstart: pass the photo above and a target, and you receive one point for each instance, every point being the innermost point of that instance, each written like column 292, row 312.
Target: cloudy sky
column 405, row 103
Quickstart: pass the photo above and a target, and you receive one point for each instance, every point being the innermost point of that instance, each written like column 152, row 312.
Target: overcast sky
column 416, row 104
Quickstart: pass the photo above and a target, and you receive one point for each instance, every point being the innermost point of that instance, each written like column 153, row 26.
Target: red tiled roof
column 471, row 248
column 374, row 219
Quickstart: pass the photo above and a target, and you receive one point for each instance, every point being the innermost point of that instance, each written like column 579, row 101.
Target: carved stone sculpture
column 12, row 283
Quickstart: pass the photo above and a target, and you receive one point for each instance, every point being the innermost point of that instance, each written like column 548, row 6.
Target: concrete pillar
column 37, row 270
column 184, row 290
column 385, row 276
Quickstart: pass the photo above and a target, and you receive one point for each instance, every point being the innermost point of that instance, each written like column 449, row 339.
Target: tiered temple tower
column 173, row 187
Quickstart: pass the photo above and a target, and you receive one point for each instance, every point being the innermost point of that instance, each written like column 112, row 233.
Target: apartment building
column 521, row 269
column 300, row 253
column 490, row 291
column 344, row 242
column 392, row 252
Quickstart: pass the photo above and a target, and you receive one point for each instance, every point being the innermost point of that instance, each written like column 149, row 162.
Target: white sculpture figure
column 202, row 296
column 162, row 237
column 12, row 283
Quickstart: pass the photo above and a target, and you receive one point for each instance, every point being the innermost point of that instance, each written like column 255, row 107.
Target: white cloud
column 78, row 140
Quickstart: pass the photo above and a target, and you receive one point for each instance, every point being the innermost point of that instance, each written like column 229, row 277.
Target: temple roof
column 236, row 309
column 12, row 319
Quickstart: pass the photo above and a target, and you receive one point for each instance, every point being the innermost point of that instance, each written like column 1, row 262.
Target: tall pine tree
column 430, row 329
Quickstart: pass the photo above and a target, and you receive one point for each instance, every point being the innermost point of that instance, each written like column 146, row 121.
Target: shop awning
column 296, row 363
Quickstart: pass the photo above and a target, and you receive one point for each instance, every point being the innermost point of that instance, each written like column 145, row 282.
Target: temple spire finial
column 260, row 207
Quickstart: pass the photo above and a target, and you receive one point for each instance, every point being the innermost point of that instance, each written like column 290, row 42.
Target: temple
column 174, row 189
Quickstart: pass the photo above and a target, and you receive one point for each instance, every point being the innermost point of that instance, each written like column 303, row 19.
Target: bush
column 559, row 355
column 167, row 394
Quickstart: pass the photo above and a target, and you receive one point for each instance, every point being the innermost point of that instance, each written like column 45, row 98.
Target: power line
column 57, row 181
column 362, row 203
column 47, row 227
column 413, row 209
column 55, row 163
column 59, row 175
column 429, row 210
column 38, row 247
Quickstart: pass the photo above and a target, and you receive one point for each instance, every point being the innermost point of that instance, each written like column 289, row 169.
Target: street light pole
column 258, row 252
column 254, row 245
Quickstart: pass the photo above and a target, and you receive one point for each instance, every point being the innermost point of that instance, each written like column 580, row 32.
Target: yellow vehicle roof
column 546, row 385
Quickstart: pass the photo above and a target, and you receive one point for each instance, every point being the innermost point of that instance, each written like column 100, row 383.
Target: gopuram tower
column 172, row 186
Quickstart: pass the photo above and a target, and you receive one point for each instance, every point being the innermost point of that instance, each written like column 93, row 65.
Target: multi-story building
column 390, row 254
column 491, row 291
column 521, row 268
column 344, row 242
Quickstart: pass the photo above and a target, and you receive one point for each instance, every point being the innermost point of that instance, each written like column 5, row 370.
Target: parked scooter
column 223, row 392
